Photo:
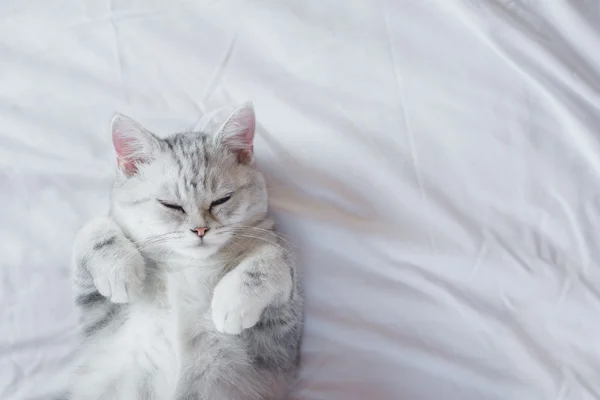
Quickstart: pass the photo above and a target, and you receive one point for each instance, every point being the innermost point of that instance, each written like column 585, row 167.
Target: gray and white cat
column 185, row 292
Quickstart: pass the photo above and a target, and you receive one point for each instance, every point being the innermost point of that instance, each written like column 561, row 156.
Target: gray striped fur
column 167, row 315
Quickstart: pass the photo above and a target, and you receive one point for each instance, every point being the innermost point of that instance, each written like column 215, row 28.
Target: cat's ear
column 133, row 144
column 237, row 133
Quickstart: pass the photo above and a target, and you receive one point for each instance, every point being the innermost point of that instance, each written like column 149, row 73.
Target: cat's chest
column 186, row 296
column 182, row 299
column 164, row 327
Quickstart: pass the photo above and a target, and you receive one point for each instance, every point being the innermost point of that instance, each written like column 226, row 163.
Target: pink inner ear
column 247, row 136
column 239, row 133
column 133, row 144
column 246, row 122
column 244, row 156
column 125, row 148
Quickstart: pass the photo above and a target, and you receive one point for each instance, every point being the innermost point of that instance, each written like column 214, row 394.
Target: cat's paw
column 232, row 310
column 122, row 280
column 116, row 266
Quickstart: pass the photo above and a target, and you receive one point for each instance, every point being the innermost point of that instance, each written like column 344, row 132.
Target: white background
column 435, row 162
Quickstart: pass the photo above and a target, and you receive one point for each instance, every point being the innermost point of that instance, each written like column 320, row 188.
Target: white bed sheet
column 435, row 162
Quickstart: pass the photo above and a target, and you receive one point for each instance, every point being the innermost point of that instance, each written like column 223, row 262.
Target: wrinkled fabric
column 434, row 163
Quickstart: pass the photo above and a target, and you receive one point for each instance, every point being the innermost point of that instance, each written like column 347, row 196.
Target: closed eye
column 220, row 201
column 172, row 206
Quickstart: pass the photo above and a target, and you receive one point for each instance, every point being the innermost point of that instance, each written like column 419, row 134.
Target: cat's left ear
column 133, row 144
column 237, row 133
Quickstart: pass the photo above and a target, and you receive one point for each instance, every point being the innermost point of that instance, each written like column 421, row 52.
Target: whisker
column 262, row 230
column 261, row 238
column 244, row 249
column 153, row 240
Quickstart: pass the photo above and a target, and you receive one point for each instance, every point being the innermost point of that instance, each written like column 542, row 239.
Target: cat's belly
column 137, row 360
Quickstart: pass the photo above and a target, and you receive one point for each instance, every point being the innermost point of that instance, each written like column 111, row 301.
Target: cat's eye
column 220, row 201
column 172, row 206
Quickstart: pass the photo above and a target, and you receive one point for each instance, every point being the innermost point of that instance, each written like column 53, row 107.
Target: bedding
column 435, row 164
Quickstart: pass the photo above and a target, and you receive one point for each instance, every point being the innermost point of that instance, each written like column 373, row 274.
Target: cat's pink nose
column 200, row 231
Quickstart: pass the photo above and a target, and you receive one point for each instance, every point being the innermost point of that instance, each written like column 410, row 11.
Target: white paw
column 232, row 310
column 121, row 280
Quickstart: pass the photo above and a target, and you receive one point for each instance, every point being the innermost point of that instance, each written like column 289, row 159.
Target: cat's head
column 190, row 192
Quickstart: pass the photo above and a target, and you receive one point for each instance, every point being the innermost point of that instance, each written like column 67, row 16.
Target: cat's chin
column 201, row 250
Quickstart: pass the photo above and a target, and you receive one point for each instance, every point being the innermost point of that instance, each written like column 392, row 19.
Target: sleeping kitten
column 186, row 292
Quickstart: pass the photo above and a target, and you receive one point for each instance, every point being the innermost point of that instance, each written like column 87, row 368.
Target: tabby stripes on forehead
column 192, row 158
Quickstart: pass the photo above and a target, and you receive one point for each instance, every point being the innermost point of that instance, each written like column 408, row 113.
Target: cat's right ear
column 237, row 133
column 133, row 144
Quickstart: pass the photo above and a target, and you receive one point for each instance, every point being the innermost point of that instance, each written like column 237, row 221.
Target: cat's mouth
column 204, row 243
column 214, row 239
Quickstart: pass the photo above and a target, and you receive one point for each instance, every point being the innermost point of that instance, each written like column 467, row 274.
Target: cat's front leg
column 242, row 295
column 106, row 261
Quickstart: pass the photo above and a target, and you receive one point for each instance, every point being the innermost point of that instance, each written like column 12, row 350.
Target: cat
column 185, row 291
